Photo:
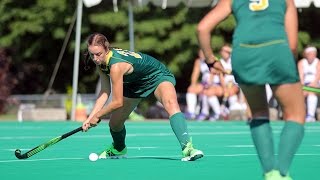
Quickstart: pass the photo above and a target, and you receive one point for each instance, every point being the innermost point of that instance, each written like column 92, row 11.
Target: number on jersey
column 258, row 5
column 128, row 53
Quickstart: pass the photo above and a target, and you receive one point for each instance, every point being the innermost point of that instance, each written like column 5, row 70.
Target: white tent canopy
column 307, row 3
column 204, row 3
column 189, row 3
column 173, row 3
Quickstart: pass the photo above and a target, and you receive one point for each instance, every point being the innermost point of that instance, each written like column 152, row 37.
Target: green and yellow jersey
column 147, row 73
column 261, row 53
column 259, row 21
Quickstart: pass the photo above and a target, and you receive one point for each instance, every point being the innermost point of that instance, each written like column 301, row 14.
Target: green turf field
column 153, row 152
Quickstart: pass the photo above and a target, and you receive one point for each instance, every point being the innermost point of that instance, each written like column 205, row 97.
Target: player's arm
column 291, row 25
column 102, row 97
column 208, row 23
column 117, row 72
column 300, row 69
column 195, row 72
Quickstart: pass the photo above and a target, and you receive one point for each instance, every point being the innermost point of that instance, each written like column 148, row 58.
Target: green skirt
column 269, row 63
column 135, row 90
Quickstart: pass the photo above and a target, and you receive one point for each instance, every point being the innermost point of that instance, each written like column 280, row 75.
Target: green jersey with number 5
column 261, row 53
column 259, row 21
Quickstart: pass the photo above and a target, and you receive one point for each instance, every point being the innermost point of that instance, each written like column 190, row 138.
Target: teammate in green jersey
column 132, row 76
column 264, row 45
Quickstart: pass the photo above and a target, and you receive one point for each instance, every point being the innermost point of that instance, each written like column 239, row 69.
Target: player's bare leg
column 118, row 147
column 166, row 94
column 261, row 131
column 291, row 99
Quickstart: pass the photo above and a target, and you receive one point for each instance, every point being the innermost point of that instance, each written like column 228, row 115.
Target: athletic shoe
column 310, row 118
column 112, row 153
column 190, row 116
column 275, row 175
column 202, row 117
column 135, row 117
column 214, row 117
column 191, row 154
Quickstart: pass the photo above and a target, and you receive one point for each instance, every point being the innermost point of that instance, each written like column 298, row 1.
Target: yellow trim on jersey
column 123, row 60
column 109, row 55
column 263, row 44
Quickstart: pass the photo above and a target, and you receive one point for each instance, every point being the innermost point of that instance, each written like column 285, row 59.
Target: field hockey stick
column 311, row 89
column 45, row 145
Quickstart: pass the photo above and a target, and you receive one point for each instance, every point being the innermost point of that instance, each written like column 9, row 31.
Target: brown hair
column 98, row 39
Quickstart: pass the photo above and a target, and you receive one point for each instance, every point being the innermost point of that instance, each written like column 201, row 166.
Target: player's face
column 97, row 54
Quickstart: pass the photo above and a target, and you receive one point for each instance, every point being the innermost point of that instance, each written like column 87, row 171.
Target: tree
column 34, row 30
column 7, row 81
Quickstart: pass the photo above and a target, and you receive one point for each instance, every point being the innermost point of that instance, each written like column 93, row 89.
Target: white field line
column 133, row 147
column 137, row 157
column 31, row 160
column 128, row 135
column 149, row 125
column 244, row 132
column 240, row 146
column 130, row 126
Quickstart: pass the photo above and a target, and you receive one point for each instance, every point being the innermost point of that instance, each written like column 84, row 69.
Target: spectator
column 309, row 72
column 209, row 96
column 202, row 89
column 230, row 87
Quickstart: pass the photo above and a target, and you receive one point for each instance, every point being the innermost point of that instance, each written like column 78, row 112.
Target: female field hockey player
column 132, row 76
column 264, row 46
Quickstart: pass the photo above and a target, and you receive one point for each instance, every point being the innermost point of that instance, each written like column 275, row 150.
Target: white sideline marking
column 15, row 149
column 147, row 147
column 135, row 157
column 155, row 147
column 160, row 126
column 128, row 135
column 133, row 147
column 28, row 160
column 245, row 132
column 240, row 146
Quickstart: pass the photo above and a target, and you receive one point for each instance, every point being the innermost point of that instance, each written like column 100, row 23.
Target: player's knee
column 171, row 105
column 259, row 113
column 116, row 125
column 296, row 117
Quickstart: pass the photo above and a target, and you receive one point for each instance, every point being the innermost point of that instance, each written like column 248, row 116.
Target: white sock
column 215, row 105
column 232, row 100
column 191, row 99
column 204, row 105
column 312, row 101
